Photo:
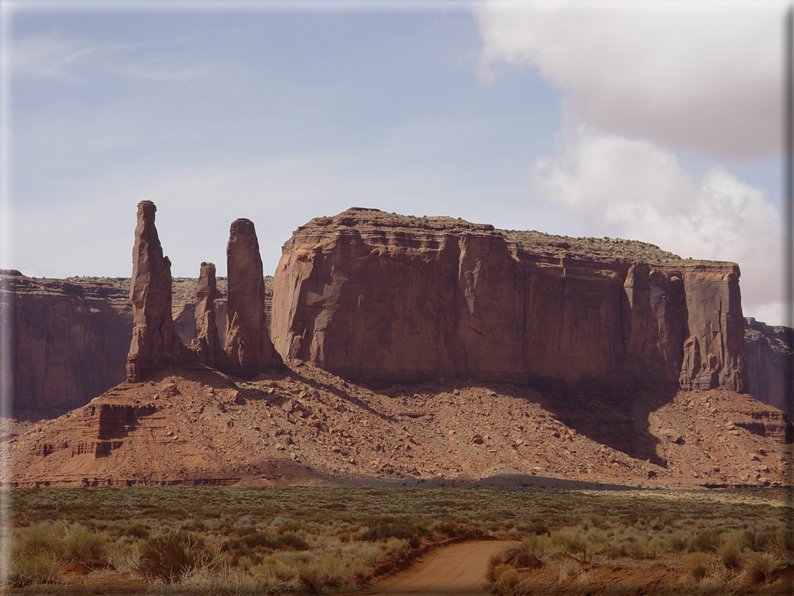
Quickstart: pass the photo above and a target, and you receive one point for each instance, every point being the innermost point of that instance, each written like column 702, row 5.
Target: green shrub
column 170, row 556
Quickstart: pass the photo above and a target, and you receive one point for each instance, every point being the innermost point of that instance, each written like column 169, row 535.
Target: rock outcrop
column 69, row 340
column 249, row 350
column 386, row 299
column 207, row 346
column 72, row 335
column 308, row 426
column 768, row 353
column 154, row 345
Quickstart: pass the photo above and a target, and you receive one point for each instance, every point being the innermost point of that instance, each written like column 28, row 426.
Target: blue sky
column 527, row 115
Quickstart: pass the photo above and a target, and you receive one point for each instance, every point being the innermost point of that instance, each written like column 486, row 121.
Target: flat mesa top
column 596, row 249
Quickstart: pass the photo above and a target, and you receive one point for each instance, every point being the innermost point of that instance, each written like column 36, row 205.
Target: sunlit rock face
column 387, row 298
column 155, row 344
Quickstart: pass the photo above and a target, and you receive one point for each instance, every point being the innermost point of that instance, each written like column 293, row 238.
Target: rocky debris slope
column 69, row 340
column 309, row 426
column 386, row 298
column 768, row 354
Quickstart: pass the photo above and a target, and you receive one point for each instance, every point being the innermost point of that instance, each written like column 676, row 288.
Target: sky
column 654, row 121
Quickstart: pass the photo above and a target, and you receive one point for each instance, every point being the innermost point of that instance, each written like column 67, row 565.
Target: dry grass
column 226, row 540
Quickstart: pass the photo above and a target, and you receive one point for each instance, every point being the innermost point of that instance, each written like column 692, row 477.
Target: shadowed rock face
column 69, row 344
column 249, row 350
column 154, row 342
column 386, row 298
column 768, row 353
column 206, row 345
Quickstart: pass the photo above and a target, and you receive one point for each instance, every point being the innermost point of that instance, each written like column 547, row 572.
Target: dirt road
column 455, row 570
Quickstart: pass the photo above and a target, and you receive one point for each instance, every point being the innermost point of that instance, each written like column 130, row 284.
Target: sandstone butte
column 542, row 359
column 72, row 336
column 384, row 298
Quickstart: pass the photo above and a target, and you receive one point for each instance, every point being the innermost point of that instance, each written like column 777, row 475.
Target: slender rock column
column 154, row 343
column 206, row 345
column 249, row 350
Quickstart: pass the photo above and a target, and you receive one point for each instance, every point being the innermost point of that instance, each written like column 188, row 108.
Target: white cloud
column 704, row 76
column 48, row 56
column 55, row 57
column 636, row 189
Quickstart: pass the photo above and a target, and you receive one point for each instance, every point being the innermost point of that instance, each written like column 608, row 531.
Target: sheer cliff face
column 386, row 298
column 768, row 352
column 70, row 340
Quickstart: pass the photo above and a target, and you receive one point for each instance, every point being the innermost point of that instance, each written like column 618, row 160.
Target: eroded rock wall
column 768, row 354
column 69, row 341
column 386, row 298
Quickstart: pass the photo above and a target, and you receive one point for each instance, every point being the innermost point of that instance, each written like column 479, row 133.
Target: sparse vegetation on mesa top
column 287, row 539
column 599, row 249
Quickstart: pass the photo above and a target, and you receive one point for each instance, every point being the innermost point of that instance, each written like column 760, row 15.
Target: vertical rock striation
column 69, row 341
column 768, row 354
column 154, row 344
column 248, row 349
column 206, row 345
column 714, row 348
column 386, row 298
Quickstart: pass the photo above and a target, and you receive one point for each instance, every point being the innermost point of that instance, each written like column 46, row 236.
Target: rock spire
column 249, row 350
column 207, row 344
column 154, row 343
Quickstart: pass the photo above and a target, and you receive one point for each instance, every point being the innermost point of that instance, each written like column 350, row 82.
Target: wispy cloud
column 54, row 57
column 48, row 56
column 168, row 69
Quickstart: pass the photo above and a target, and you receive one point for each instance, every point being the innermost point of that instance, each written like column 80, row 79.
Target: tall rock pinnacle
column 249, row 350
column 154, row 343
column 206, row 345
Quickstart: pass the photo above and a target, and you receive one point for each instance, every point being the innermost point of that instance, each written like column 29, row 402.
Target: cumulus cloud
column 702, row 76
column 637, row 189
